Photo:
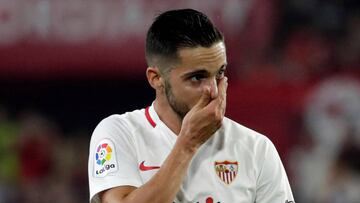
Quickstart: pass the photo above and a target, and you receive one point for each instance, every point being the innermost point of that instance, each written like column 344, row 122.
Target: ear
column 154, row 77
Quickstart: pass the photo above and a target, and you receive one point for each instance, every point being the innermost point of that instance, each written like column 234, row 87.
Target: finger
column 204, row 99
column 219, row 103
column 222, row 97
column 222, row 87
column 223, row 84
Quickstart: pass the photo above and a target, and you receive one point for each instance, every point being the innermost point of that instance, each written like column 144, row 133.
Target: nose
column 212, row 85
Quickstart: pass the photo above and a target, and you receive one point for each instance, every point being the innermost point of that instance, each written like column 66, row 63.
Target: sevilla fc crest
column 226, row 170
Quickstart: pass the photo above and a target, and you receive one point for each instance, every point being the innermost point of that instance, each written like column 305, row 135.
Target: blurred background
column 66, row 64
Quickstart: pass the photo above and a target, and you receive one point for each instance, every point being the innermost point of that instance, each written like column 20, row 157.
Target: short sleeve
column 272, row 182
column 112, row 157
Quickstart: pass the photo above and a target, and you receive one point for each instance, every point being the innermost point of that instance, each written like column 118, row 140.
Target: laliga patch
column 105, row 159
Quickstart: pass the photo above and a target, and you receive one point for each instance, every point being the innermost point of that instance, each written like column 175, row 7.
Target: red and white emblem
column 226, row 170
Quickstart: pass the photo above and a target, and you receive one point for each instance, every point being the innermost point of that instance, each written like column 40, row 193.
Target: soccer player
column 182, row 148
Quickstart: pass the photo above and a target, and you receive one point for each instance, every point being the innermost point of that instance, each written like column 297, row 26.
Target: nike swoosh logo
column 142, row 167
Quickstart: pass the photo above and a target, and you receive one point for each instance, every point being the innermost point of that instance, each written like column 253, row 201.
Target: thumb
column 204, row 99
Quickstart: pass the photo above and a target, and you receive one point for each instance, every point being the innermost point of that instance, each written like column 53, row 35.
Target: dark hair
column 176, row 29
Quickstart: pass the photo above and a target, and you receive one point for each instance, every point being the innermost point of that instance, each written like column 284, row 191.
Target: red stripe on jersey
column 148, row 117
column 227, row 178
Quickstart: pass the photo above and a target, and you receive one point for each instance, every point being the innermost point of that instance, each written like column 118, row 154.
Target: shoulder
column 246, row 137
column 116, row 125
column 236, row 131
column 126, row 120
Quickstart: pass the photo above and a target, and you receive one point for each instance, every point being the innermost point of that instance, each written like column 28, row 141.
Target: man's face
column 199, row 68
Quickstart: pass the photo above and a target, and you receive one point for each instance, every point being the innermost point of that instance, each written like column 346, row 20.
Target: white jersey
column 236, row 165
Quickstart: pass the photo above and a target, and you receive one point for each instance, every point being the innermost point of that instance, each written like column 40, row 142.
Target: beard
column 180, row 108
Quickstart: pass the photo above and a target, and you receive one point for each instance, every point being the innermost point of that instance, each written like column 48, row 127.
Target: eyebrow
column 201, row 71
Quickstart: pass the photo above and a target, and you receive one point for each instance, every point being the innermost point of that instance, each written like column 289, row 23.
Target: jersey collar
column 154, row 120
column 151, row 115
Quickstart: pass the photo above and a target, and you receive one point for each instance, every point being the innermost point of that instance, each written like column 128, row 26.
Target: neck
column 167, row 115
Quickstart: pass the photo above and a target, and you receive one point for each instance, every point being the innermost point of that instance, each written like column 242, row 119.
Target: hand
column 205, row 118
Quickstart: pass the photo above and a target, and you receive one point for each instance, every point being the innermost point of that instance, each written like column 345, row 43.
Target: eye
column 196, row 78
column 220, row 74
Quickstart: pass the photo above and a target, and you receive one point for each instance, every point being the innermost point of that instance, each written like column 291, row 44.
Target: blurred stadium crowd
column 38, row 163
column 294, row 68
